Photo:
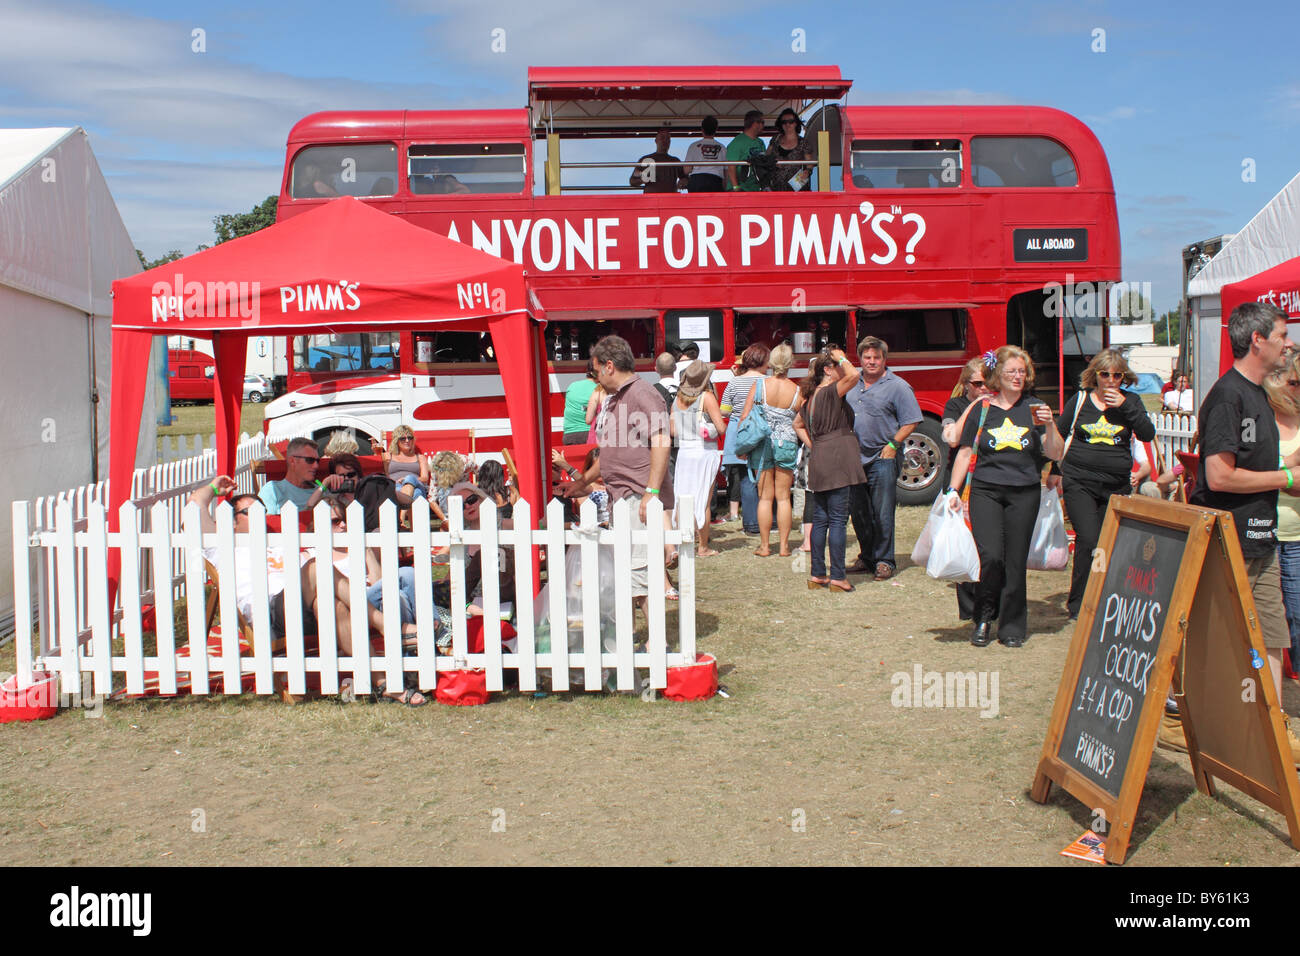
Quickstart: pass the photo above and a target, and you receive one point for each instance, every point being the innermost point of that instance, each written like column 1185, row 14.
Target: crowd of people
column 834, row 440
column 784, row 164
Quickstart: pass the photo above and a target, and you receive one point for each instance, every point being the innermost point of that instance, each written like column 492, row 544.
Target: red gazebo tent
column 344, row 267
column 1279, row 286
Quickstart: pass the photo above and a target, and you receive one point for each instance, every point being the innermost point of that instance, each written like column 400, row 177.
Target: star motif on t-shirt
column 1102, row 432
column 1008, row 435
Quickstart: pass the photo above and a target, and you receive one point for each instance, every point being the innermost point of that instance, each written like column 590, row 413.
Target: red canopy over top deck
column 342, row 267
column 613, row 101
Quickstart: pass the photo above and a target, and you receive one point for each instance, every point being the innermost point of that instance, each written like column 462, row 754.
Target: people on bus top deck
column 441, row 183
column 660, row 171
column 705, row 179
column 313, row 182
column 743, row 176
column 789, row 144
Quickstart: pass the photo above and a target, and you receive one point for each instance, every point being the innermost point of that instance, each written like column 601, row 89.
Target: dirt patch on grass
column 808, row 762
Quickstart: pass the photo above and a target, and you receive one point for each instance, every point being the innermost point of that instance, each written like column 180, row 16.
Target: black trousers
column 1086, row 503
column 1002, row 520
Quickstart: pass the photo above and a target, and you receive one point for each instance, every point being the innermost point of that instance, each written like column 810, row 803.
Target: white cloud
column 1111, row 115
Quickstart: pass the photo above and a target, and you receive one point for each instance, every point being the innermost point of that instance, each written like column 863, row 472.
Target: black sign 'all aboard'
column 1049, row 245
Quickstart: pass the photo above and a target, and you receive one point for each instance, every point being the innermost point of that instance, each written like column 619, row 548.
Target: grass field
column 808, row 762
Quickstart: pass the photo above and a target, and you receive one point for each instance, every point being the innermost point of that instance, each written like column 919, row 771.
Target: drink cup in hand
column 1042, row 414
column 1113, row 397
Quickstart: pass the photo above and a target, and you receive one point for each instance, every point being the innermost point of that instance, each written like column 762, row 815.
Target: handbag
column 753, row 429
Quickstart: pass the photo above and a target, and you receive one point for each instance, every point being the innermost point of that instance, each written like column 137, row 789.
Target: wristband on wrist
column 652, row 491
column 213, row 487
column 892, row 444
column 1290, row 478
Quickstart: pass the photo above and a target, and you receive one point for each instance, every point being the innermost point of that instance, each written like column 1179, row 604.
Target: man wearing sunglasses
column 299, row 482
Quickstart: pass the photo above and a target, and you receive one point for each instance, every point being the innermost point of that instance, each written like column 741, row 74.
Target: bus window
column 1021, row 161
column 805, row 332
column 906, row 163
column 352, row 352
column 454, row 168
column 359, row 169
column 701, row 326
column 453, row 348
column 916, row 330
column 572, row 341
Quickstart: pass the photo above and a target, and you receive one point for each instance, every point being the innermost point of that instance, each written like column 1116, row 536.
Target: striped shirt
column 735, row 395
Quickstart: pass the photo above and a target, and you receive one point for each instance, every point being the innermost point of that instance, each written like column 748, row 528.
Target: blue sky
column 1183, row 94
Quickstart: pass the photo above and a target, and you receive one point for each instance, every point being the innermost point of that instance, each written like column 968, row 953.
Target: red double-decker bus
column 945, row 231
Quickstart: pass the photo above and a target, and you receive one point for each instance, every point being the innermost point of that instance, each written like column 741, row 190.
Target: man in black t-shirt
column 1242, row 471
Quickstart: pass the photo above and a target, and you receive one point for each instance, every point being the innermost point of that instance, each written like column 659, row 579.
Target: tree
column 1168, row 329
column 166, row 258
column 1132, row 307
column 233, row 225
column 229, row 225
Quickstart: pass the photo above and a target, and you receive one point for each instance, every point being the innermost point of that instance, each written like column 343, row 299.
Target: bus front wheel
column 924, row 460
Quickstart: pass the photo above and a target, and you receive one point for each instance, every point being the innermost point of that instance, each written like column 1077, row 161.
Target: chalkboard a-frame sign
column 1167, row 598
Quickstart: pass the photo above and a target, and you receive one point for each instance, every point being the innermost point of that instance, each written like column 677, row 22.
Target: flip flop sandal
column 671, row 595
column 381, row 696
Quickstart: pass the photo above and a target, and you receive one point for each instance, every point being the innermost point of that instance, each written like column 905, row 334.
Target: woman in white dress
column 696, row 424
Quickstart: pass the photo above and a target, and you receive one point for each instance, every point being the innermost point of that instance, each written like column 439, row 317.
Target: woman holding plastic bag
column 1098, row 425
column 1005, row 437
column 970, row 389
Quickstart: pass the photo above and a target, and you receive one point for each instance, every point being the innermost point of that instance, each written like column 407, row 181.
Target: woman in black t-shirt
column 1098, row 425
column 970, row 389
column 1007, row 437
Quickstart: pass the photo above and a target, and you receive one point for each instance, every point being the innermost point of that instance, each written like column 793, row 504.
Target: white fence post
column 525, row 626
column 557, row 585
column 686, row 584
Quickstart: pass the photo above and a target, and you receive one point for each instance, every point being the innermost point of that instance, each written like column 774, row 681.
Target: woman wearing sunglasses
column 1098, row 425
column 970, row 389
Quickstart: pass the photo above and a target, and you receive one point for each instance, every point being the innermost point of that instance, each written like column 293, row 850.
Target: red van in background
column 190, row 375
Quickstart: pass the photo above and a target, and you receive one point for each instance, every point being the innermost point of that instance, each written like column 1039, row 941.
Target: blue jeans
column 738, row 477
column 405, row 593
column 830, row 510
column 1288, row 560
column 418, row 488
column 872, row 512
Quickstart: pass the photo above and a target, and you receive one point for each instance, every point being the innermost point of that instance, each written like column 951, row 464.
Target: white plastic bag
column 921, row 553
column 953, row 556
column 1049, row 548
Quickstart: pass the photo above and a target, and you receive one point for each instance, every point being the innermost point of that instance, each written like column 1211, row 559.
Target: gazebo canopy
column 1279, row 286
column 343, row 267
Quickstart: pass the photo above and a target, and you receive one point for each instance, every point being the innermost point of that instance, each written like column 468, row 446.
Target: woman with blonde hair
column 1284, row 396
column 1007, row 437
column 405, row 465
column 773, row 462
column 1098, row 425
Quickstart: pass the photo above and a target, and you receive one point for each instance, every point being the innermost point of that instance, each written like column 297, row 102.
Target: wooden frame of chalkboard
column 1165, row 577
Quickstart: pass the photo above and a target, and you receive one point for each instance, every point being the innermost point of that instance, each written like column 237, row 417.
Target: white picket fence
column 166, row 484
column 596, row 647
column 180, row 447
column 1174, row 432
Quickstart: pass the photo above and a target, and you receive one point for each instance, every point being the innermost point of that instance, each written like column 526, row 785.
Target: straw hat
column 695, row 379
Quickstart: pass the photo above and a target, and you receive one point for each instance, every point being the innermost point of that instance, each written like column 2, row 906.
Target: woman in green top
column 575, row 407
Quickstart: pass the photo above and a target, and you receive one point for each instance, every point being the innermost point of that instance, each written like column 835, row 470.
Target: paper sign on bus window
column 704, row 350
column 695, row 327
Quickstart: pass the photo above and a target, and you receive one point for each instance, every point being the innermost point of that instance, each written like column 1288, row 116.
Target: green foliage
column 166, row 258
column 1167, row 330
column 229, row 226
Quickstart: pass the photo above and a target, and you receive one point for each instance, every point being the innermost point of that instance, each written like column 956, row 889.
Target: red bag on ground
column 698, row 681
column 462, row 688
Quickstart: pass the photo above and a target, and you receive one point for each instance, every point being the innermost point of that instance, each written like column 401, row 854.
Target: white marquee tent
column 62, row 243
column 1269, row 239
